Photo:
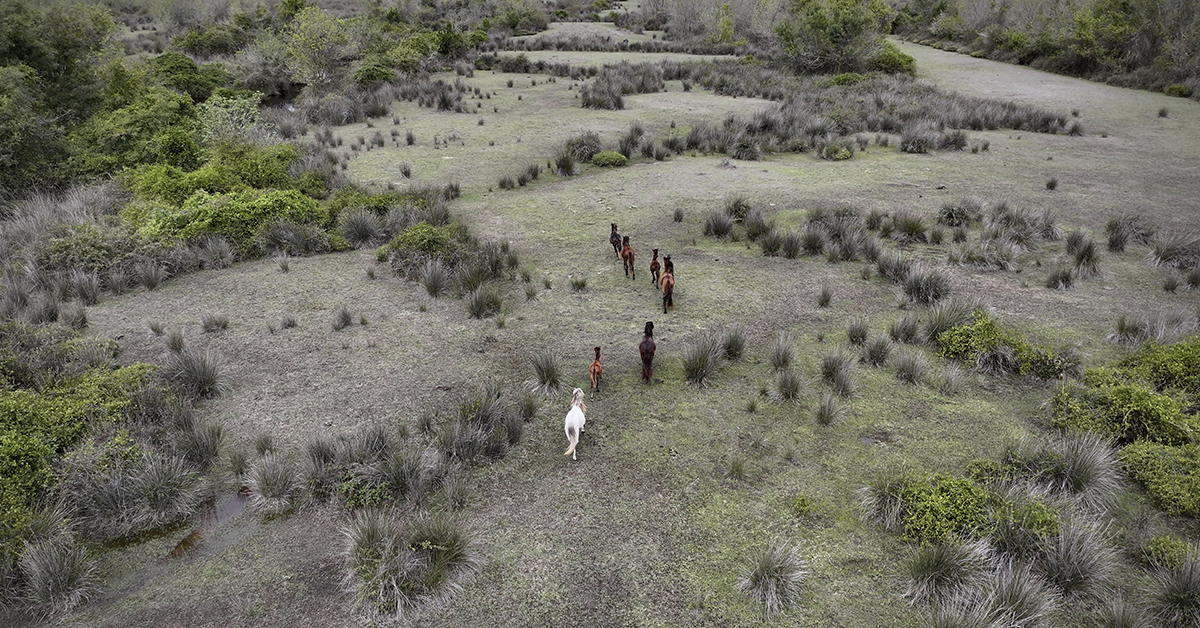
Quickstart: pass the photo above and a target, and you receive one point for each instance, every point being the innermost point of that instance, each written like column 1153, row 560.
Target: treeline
column 1152, row 44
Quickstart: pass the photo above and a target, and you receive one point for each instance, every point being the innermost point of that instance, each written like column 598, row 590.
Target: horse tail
column 572, row 439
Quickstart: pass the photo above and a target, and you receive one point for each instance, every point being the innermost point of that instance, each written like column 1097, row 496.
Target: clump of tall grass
column 1176, row 250
column 718, row 224
column 733, row 342
column 547, row 375
column 940, row 571
column 1164, row 328
column 926, row 286
column 825, row 296
column 781, row 352
column 1137, row 228
column 361, row 227
column 483, row 302
column 951, row 379
column 948, row 313
column 1175, row 593
column 342, row 318
column 435, row 277
column 837, row 372
column 197, row 374
column 905, row 329
column 789, row 386
column 966, row 212
column 1078, row 559
column 877, row 351
column 911, row 367
column 701, row 359
column 1060, row 278
column 578, row 284
column 1087, row 259
column 58, row 575
column 774, row 577
column 213, row 323
column 893, row 265
column 857, row 330
column 829, row 409
column 882, row 501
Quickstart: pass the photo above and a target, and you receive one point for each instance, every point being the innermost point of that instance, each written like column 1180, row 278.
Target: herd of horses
column 662, row 275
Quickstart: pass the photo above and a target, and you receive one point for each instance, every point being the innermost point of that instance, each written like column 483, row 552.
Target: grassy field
column 651, row 525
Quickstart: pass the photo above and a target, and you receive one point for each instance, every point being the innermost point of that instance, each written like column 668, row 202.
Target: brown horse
column 654, row 268
column 646, row 349
column 627, row 257
column 594, row 373
column 668, row 284
column 615, row 240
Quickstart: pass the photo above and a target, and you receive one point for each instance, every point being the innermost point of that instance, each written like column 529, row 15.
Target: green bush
column 939, row 506
column 237, row 217
column 1167, row 551
column 1175, row 366
column 892, row 61
column 177, row 71
column 421, row 242
column 1171, row 474
column 986, row 345
column 127, row 136
column 215, row 39
column 609, row 159
column 24, row 470
column 1123, row 412
column 89, row 247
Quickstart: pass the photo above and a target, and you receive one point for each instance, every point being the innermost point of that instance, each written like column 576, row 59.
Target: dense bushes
column 992, row 349
column 1171, row 474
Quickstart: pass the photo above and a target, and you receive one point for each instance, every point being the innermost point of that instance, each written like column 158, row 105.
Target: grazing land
column 676, row 483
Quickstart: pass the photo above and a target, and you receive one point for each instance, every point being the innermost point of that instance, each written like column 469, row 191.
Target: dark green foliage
column 564, row 163
column 213, row 40
column 927, row 509
column 1020, row 524
column 177, row 71
column 1126, row 411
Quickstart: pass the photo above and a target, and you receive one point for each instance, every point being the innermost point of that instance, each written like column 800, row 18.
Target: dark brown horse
column 627, row 257
column 654, row 268
column 646, row 349
column 594, row 373
column 615, row 240
column 668, row 284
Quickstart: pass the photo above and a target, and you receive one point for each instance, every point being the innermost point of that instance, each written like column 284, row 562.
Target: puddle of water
column 227, row 509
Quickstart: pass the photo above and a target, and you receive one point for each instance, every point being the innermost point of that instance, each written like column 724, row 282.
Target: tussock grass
column 150, row 273
column 701, row 359
column 718, row 224
column 1175, row 250
column 1164, row 328
column 197, row 374
column 946, row 314
column 85, row 286
column 484, row 301
column 781, row 352
column 882, row 501
column 926, row 286
column 857, row 331
column 59, row 576
column 578, row 284
column 877, row 351
column 951, row 380
column 213, row 323
column 73, row 315
column 941, row 571
column 828, row 409
column 200, row 444
column 837, row 371
column 774, row 577
column 342, row 318
column 1060, row 278
column 1078, row 559
column 733, row 343
column 1175, row 593
column 547, row 375
column 825, row 297
column 911, row 367
column 361, row 227
column 906, row 329
column 893, row 265
column 789, row 386
column 1087, row 259
column 1136, row 228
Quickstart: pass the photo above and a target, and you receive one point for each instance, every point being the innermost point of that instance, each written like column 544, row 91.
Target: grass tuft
column 1175, row 593
column 701, row 358
column 733, row 343
column 941, row 571
column 197, row 374
column 911, row 367
column 825, row 297
column 483, row 302
column 1078, row 560
column 547, row 375
column 342, row 318
column 578, row 284
column 213, row 323
column 59, row 575
column 829, row 409
column 781, row 352
column 837, row 372
column 857, row 331
column 877, row 351
column 774, row 577
column 789, row 386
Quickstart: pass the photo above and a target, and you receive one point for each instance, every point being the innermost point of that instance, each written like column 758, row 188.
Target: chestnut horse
column 627, row 257
column 615, row 240
column 646, row 349
column 654, row 267
column 668, row 284
column 594, row 373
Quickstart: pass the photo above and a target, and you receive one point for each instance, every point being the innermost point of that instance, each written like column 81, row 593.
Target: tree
column 31, row 141
column 319, row 47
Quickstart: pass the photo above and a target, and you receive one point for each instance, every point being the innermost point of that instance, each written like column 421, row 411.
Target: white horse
column 573, row 425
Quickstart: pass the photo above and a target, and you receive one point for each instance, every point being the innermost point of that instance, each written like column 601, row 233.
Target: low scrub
column 991, row 349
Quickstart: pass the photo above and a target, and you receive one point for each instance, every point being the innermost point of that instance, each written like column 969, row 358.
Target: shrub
column 547, row 374
column 774, row 577
column 700, row 359
column 1167, row 552
column 940, row 571
column 1124, row 412
column 1170, row 474
column 609, row 159
column 939, row 506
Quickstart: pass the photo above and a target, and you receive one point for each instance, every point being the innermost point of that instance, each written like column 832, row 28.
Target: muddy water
column 226, row 509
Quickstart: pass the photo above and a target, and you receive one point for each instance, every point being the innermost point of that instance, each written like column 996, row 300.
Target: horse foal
column 573, row 425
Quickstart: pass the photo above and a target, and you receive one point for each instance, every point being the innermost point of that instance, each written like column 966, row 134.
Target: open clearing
column 645, row 529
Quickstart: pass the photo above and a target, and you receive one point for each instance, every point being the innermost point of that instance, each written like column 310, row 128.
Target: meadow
column 679, row 484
